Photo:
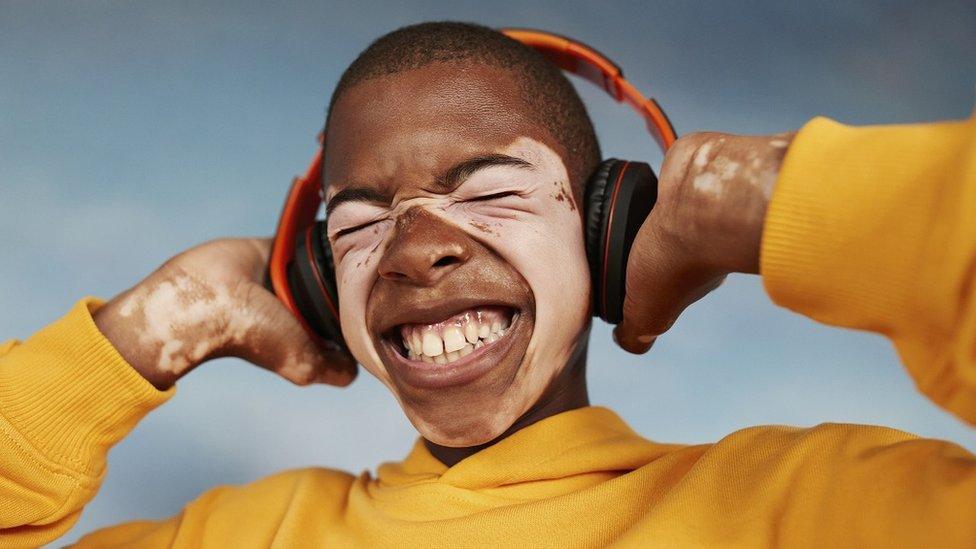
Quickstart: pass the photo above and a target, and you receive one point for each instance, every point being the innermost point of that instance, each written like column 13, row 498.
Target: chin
column 473, row 429
column 457, row 368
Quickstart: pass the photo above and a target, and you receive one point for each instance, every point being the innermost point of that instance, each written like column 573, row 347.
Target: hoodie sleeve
column 874, row 228
column 66, row 397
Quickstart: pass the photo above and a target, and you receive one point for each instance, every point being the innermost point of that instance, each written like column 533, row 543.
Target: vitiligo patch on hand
column 701, row 156
column 755, row 167
column 708, row 183
column 174, row 313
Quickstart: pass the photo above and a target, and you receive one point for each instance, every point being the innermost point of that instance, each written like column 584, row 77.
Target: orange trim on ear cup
column 301, row 206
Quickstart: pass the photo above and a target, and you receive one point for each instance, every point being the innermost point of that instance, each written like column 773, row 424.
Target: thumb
column 647, row 311
column 660, row 284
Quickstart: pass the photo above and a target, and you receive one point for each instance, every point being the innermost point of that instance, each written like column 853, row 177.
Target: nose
column 424, row 249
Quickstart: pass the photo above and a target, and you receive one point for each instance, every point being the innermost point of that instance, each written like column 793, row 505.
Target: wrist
column 158, row 329
column 725, row 190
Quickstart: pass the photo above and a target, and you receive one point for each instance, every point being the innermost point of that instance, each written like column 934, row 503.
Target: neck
column 566, row 392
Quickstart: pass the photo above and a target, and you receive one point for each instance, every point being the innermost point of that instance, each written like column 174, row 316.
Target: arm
column 871, row 228
column 77, row 387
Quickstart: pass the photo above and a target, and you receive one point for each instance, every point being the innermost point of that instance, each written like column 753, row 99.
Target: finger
column 275, row 340
column 660, row 284
column 263, row 248
column 640, row 350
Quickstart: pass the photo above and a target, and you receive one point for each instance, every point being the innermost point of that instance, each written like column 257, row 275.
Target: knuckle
column 658, row 325
column 338, row 378
column 303, row 380
column 645, row 320
column 631, row 304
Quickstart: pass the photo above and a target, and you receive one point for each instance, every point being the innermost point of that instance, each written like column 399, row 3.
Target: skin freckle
column 562, row 196
column 483, row 227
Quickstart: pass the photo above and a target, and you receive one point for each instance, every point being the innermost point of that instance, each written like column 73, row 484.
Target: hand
column 712, row 197
column 212, row 301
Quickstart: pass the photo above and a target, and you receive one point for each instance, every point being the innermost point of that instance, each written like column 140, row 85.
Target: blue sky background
column 129, row 132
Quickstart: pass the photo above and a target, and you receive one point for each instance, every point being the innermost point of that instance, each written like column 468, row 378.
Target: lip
column 466, row 369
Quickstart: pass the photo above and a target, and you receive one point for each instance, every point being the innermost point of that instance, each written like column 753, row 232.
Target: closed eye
column 356, row 228
column 493, row 196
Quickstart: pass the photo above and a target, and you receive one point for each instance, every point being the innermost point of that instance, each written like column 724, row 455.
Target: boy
column 455, row 162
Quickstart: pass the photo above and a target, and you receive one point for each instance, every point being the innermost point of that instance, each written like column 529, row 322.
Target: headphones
column 618, row 197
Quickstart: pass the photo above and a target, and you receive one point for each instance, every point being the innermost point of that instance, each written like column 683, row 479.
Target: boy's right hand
column 213, row 301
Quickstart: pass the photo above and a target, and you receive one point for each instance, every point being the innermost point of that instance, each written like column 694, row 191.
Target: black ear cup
column 619, row 196
column 312, row 280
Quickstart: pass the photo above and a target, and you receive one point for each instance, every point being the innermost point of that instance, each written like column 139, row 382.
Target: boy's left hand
column 712, row 197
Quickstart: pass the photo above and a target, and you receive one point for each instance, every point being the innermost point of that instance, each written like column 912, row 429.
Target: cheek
column 542, row 239
column 550, row 254
column 355, row 275
column 361, row 244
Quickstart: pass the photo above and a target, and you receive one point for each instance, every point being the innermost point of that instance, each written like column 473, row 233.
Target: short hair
column 547, row 92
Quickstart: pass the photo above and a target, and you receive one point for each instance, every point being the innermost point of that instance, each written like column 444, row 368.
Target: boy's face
column 452, row 222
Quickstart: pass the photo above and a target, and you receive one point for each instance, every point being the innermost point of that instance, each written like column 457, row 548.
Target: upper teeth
column 448, row 341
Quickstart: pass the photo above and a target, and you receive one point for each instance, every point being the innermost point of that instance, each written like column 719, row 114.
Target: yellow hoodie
column 871, row 228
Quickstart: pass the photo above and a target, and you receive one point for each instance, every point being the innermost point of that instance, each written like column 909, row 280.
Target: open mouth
column 453, row 338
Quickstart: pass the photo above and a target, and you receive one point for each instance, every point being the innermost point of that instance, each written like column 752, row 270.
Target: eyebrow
column 356, row 194
column 447, row 181
column 456, row 175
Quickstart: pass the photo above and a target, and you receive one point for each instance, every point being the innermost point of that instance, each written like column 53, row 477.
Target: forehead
column 405, row 128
